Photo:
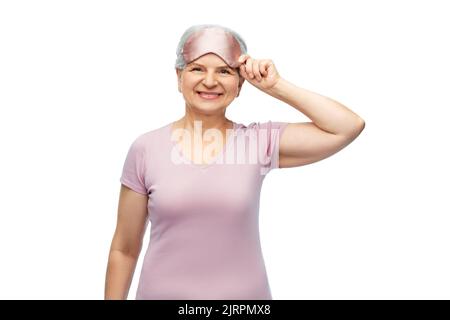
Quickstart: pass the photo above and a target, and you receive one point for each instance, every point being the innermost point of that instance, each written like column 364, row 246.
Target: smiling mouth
column 209, row 95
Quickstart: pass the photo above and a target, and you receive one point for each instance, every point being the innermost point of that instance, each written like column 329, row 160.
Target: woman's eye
column 223, row 70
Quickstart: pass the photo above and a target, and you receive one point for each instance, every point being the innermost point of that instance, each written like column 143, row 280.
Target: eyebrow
column 222, row 66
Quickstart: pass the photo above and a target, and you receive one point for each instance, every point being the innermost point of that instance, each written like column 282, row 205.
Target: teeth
column 209, row 94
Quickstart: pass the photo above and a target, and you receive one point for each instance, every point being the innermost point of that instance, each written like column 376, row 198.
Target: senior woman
column 198, row 179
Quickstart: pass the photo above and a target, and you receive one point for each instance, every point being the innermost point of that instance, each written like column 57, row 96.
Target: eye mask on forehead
column 212, row 40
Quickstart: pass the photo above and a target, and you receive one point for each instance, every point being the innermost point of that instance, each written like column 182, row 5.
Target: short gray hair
column 181, row 64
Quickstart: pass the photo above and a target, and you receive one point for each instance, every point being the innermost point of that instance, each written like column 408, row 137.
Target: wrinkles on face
column 209, row 73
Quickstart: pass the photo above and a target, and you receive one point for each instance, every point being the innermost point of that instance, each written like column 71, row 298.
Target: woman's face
column 209, row 73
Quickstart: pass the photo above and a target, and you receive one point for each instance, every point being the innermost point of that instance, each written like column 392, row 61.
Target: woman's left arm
column 333, row 125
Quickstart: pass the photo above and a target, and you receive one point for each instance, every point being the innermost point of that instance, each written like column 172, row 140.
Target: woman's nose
column 210, row 79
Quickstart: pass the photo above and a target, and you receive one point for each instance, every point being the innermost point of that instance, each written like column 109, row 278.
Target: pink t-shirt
column 204, row 237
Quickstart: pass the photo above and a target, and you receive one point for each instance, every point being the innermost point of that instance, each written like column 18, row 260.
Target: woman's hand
column 260, row 73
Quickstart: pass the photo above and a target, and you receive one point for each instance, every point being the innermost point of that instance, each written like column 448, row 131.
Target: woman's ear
column 179, row 79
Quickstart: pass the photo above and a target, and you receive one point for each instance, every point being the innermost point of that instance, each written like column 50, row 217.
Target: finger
column 243, row 72
column 271, row 68
column 263, row 66
column 243, row 58
column 256, row 69
column 249, row 67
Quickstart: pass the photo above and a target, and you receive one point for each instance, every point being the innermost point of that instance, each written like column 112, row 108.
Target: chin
column 205, row 108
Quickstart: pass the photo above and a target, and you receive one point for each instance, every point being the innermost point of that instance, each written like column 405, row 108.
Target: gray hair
column 181, row 64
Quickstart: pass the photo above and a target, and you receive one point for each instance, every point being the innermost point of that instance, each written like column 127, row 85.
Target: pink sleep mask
column 212, row 40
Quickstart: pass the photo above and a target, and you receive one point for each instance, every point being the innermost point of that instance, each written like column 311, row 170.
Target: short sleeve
column 133, row 173
column 271, row 137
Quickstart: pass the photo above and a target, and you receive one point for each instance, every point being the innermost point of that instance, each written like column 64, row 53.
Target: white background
column 80, row 80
